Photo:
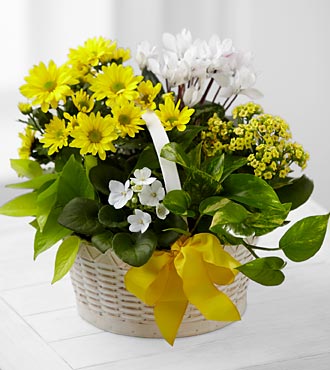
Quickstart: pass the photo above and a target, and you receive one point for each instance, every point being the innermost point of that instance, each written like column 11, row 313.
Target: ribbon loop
column 187, row 273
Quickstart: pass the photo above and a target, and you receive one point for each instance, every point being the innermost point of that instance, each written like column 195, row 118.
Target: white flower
column 142, row 177
column 145, row 52
column 161, row 211
column 120, row 193
column 151, row 195
column 178, row 44
column 139, row 222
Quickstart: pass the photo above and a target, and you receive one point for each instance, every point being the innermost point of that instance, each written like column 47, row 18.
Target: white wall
column 288, row 38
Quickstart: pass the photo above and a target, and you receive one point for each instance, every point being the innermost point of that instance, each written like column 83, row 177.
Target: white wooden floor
column 284, row 328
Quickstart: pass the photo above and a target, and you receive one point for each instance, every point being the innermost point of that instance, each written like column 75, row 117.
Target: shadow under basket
column 103, row 301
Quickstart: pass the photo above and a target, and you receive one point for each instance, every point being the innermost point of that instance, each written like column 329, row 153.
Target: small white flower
column 161, row 211
column 151, row 195
column 139, row 222
column 120, row 193
column 142, row 177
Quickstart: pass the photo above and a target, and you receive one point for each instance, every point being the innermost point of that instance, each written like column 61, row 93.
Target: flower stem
column 216, row 94
column 206, row 91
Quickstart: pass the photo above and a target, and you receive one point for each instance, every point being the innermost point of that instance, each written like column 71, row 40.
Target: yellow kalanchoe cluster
column 262, row 138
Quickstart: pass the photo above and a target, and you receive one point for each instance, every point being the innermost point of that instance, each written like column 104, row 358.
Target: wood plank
column 41, row 298
column 21, row 348
column 60, row 324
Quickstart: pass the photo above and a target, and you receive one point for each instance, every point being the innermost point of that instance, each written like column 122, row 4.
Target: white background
column 289, row 39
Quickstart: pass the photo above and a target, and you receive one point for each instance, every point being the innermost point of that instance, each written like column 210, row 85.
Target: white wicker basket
column 102, row 300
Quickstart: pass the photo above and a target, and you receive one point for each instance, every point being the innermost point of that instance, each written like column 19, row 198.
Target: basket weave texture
column 103, row 301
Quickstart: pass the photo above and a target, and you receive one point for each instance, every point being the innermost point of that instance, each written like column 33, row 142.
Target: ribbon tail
column 200, row 291
column 170, row 308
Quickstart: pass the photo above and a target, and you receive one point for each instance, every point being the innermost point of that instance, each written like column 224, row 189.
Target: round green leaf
column 134, row 249
column 177, row 202
column 303, row 240
column 265, row 271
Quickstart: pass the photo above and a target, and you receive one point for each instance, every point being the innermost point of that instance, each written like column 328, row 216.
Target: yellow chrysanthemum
column 94, row 134
column 121, row 54
column 47, row 86
column 92, row 52
column 27, row 138
column 25, row 108
column 148, row 93
column 127, row 118
column 83, row 102
column 55, row 136
column 171, row 116
column 115, row 81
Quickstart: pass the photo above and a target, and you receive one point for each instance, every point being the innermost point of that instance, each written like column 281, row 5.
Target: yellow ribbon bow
column 186, row 273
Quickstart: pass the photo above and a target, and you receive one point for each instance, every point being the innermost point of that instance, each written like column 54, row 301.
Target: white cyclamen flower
column 144, row 53
column 120, row 193
column 139, row 222
column 151, row 195
column 142, row 177
column 161, row 211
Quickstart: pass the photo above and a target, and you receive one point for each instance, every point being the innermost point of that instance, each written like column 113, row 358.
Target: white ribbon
column 160, row 138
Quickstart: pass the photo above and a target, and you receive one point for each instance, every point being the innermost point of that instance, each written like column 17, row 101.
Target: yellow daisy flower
column 48, row 85
column 127, row 118
column 94, row 134
column 114, row 82
column 55, row 135
column 92, row 52
column 121, row 54
column 82, row 101
column 28, row 139
column 171, row 116
column 148, row 93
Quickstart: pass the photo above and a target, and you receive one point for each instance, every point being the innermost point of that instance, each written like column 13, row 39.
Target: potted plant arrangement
column 155, row 187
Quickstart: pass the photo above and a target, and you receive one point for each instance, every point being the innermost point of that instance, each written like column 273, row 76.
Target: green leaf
column 214, row 167
column 265, row 271
column 134, row 249
column 231, row 164
column 73, row 182
column 81, row 216
column 46, row 200
column 21, row 206
column 303, row 240
column 297, row 192
column 65, row 257
column 64, row 155
column 34, row 183
column 101, row 175
column 103, row 241
column 174, row 152
column 230, row 218
column 51, row 233
column 26, row 168
column 204, row 111
column 252, row 191
column 186, row 137
column 111, row 217
column 165, row 236
column 177, row 202
column 148, row 158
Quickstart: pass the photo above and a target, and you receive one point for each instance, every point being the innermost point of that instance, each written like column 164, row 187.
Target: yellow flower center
column 49, row 85
column 118, row 86
column 124, row 119
column 172, row 119
column 95, row 136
